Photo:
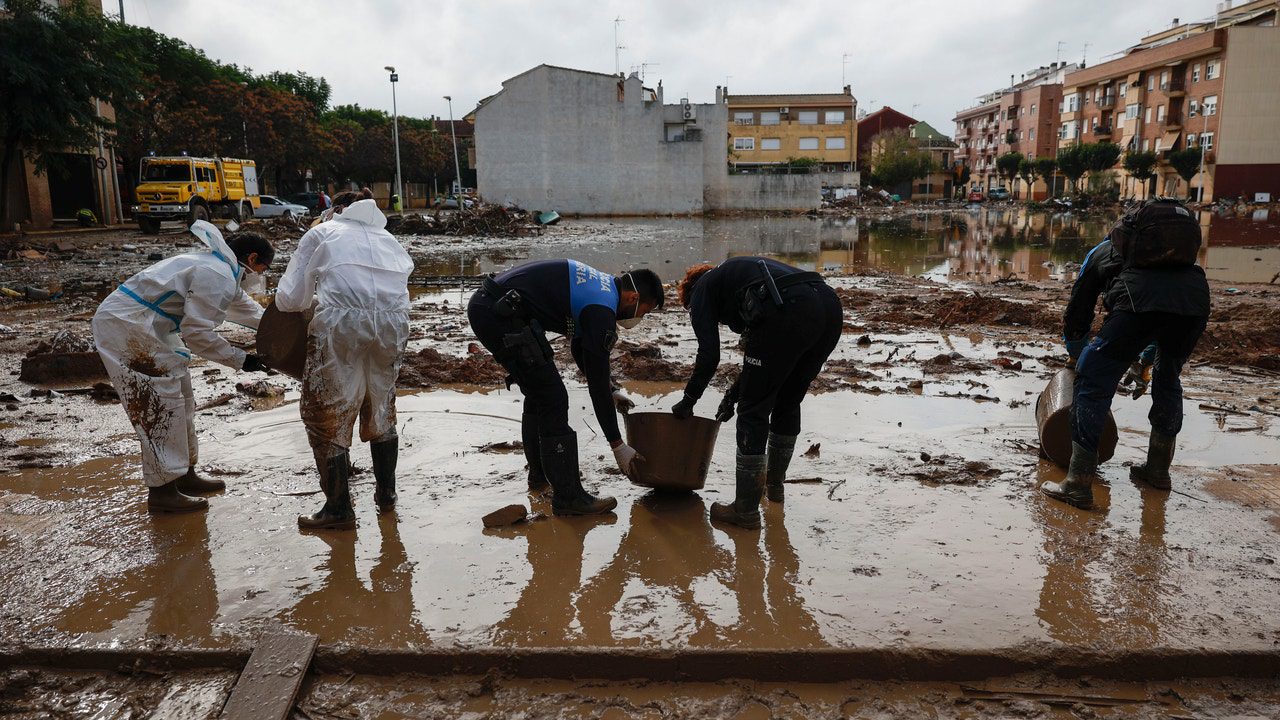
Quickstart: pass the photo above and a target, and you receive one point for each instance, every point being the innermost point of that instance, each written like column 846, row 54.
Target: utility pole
column 395, row 129
column 1203, row 114
column 1084, row 55
column 121, row 12
column 457, row 168
column 1058, row 57
column 617, row 47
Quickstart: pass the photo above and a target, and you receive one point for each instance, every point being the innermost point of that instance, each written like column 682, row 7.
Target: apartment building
column 882, row 120
column 767, row 130
column 1022, row 117
column 1175, row 90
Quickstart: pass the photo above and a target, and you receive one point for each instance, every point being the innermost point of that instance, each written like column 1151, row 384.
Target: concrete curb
column 798, row 665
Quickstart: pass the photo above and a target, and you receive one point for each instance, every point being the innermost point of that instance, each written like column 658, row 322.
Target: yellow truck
column 191, row 188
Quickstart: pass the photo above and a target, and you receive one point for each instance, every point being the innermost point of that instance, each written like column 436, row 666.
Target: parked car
column 309, row 200
column 273, row 206
column 998, row 194
column 975, row 195
column 451, row 202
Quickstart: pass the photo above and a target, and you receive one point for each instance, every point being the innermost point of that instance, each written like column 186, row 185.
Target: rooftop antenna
column 617, row 48
column 844, row 63
column 1084, row 54
column 1058, row 58
column 913, row 108
column 645, row 66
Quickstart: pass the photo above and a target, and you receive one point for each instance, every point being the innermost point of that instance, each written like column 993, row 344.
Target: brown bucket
column 282, row 340
column 677, row 451
column 1053, row 420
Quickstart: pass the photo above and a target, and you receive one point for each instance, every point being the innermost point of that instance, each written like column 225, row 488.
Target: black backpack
column 1160, row 232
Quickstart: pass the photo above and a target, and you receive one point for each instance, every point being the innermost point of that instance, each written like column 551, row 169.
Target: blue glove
column 1075, row 347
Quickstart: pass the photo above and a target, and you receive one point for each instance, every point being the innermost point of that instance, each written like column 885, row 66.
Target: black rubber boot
column 781, row 449
column 193, row 484
column 744, row 511
column 169, row 499
column 1077, row 487
column 560, row 463
column 533, row 453
column 1155, row 471
column 337, row 513
column 385, row 454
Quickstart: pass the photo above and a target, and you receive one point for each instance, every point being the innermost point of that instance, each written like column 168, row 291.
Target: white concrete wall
column 768, row 192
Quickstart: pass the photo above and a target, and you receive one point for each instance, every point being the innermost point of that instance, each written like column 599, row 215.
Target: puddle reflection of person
column 179, row 583
column 544, row 613
column 670, row 545
column 343, row 604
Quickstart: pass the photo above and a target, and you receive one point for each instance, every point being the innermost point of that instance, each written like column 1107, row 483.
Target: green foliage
column 315, row 91
column 898, row 159
column 1186, row 163
column 1141, row 165
column 1007, row 165
column 1073, row 162
column 803, row 162
column 53, row 65
column 962, row 173
column 1101, row 156
column 1028, row 172
column 1045, row 168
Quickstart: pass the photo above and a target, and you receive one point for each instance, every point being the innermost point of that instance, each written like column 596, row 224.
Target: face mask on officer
column 252, row 277
column 636, row 316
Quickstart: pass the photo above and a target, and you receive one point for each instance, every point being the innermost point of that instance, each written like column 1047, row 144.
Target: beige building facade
column 770, row 130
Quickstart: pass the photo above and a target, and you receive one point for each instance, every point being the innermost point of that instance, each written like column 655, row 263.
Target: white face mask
column 252, row 282
column 629, row 323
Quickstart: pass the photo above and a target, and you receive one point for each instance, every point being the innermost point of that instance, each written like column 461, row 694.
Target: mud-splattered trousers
column 1104, row 360
column 146, row 332
column 783, row 353
column 353, row 360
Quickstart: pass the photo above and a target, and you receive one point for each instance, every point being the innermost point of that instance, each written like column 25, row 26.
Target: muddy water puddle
column 878, row 547
column 981, row 243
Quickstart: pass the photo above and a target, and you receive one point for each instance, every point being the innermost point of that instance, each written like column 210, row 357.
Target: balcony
column 1171, row 121
column 1102, row 131
column 1107, row 102
column 1176, row 87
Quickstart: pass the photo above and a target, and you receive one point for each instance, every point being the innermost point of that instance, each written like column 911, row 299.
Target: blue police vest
column 588, row 286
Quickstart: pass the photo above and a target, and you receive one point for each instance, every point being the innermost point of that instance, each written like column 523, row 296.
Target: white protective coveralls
column 148, row 328
column 359, row 275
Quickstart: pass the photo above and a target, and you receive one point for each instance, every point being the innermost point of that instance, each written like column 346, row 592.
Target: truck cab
column 189, row 189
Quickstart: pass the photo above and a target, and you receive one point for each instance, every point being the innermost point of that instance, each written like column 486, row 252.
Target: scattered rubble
column 509, row 515
column 429, row 367
column 483, row 220
column 260, row 389
column 66, row 357
column 276, row 228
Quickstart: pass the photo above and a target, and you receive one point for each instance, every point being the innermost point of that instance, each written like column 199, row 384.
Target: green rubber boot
column 1155, row 471
column 744, row 511
column 781, row 449
column 1077, row 487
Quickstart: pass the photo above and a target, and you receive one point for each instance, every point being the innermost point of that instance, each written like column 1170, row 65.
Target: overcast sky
column 937, row 55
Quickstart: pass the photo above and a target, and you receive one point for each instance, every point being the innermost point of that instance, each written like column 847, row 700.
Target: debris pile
column 1242, row 334
column 66, row 357
column 948, row 310
column 483, row 220
column 429, row 367
column 277, row 228
column 645, row 362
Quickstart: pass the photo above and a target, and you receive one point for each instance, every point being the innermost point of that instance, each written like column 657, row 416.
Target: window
column 808, row 117
column 743, row 118
column 1022, row 112
column 1191, row 139
column 1164, row 80
column 1151, row 83
column 834, row 117
column 1033, row 108
column 1131, row 111
column 835, row 143
column 1206, row 141
column 1213, row 70
column 675, row 133
column 1073, row 103
column 1124, row 88
column 1210, row 105
column 809, row 143
column 1146, row 145
column 1193, row 108
column 1032, row 133
column 744, row 143
column 1159, row 142
column 1195, row 73
column 770, row 143
column 1148, row 116
column 770, row 118
column 1160, row 113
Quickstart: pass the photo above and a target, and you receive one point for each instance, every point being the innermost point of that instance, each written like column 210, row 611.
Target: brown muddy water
column 978, row 244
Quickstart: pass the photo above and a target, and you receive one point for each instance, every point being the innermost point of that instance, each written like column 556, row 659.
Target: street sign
column 101, row 163
column 395, row 77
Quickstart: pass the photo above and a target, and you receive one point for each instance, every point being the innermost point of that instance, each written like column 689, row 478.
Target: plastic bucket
column 677, row 451
column 282, row 340
column 1053, row 421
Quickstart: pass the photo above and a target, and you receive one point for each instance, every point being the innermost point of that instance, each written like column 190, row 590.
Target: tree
column 1141, row 166
column 1045, row 168
column 1073, row 162
column 1100, row 157
column 1186, row 162
column 898, row 160
column 1028, row 172
column 56, row 65
column 1007, row 165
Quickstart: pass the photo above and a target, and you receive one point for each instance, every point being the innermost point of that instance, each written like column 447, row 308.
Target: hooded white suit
column 146, row 332
column 359, row 275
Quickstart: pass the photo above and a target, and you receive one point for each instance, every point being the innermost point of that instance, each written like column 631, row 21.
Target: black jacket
column 1177, row 290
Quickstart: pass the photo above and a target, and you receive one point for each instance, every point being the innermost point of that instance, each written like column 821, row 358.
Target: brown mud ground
column 917, row 525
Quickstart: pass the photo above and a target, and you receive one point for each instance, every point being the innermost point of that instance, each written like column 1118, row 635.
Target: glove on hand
column 1075, row 347
column 627, row 458
column 253, row 363
column 684, row 408
column 622, row 403
column 724, row 413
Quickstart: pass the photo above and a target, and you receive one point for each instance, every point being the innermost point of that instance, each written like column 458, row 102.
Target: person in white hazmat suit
column 147, row 331
column 358, row 276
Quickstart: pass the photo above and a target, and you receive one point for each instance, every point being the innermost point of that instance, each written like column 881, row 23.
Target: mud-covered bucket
column 1053, row 420
column 282, row 340
column 677, row 451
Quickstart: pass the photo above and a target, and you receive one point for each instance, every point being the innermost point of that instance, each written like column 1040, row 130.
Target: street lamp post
column 1200, row 194
column 395, row 129
column 457, row 168
column 244, row 123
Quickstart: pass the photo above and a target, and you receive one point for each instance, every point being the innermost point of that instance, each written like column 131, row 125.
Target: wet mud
column 429, row 368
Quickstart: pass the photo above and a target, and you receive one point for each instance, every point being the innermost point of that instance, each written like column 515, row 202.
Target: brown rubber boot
column 193, row 484
column 1155, row 471
column 169, row 499
column 744, row 511
column 337, row 513
column 781, row 448
column 1077, row 487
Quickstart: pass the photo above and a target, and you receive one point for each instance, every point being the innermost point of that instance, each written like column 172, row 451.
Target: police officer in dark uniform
column 790, row 322
column 1154, row 292
column 511, row 314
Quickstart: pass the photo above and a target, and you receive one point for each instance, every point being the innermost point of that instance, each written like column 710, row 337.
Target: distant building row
column 1210, row 85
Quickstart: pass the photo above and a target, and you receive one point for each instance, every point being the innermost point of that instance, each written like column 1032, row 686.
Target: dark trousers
column 783, row 354
column 1106, row 357
column 545, row 397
